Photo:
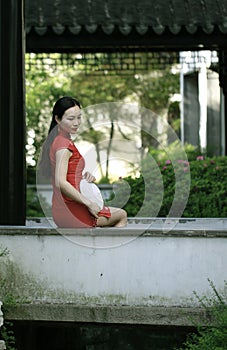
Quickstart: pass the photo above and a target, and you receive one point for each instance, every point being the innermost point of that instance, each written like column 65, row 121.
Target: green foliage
column 190, row 152
column 137, row 188
column 92, row 90
column 33, row 208
column 212, row 336
column 44, row 85
column 174, row 117
column 208, row 188
column 155, row 89
column 104, row 180
column 207, row 196
column 3, row 252
column 8, row 335
column 6, row 331
column 31, row 175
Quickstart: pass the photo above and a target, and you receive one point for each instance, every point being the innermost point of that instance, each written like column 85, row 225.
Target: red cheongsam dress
column 66, row 212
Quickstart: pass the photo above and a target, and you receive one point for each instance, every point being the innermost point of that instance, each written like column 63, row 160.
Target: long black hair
column 61, row 105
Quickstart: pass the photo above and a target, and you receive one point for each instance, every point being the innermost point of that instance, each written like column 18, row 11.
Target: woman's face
column 71, row 120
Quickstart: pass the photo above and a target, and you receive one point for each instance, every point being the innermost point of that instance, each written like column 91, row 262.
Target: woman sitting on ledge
column 61, row 160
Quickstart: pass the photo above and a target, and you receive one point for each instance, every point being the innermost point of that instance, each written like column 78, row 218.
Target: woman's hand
column 89, row 177
column 94, row 209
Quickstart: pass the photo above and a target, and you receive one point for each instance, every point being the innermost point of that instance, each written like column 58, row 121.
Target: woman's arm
column 62, row 159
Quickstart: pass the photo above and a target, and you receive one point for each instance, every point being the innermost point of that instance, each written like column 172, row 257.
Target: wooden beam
column 99, row 41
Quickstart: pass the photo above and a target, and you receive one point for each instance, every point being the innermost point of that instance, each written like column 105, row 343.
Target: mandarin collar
column 64, row 133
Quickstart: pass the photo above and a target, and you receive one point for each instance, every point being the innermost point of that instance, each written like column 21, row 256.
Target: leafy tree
column 43, row 88
column 44, row 85
column 97, row 92
column 155, row 90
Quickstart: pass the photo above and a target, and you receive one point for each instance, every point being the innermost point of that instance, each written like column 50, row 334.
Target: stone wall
column 141, row 274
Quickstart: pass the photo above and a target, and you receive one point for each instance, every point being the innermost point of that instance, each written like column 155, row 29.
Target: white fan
column 92, row 192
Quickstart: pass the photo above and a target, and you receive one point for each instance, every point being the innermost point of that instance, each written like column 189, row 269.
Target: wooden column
column 12, row 114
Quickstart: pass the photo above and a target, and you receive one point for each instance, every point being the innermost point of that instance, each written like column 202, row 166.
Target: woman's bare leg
column 118, row 218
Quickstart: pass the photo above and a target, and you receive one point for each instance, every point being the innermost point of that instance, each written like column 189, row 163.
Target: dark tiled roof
column 125, row 15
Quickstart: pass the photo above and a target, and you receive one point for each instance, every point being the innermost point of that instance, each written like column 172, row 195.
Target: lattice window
column 122, row 63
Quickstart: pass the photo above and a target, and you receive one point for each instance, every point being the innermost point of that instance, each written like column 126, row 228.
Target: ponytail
column 64, row 103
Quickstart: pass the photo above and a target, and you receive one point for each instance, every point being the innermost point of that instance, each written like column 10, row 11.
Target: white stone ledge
column 143, row 227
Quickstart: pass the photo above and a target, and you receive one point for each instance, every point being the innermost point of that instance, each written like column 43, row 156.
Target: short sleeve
column 62, row 143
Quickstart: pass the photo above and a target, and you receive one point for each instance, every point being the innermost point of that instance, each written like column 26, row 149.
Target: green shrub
column 212, row 336
column 208, row 186
column 33, row 208
column 7, row 334
column 152, row 193
column 135, row 202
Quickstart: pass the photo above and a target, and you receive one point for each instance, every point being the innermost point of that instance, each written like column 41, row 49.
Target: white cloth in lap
column 92, row 192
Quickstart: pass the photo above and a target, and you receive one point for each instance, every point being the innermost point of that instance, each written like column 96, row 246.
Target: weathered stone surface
column 157, row 316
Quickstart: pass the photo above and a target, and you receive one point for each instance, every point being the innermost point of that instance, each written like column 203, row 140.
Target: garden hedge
column 207, row 195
